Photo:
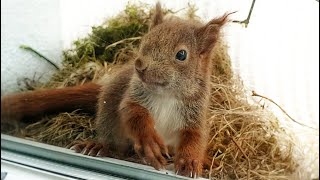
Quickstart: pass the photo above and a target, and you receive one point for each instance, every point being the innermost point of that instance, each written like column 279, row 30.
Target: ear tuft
column 157, row 17
column 208, row 34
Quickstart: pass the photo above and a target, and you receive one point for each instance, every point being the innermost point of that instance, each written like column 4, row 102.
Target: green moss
column 132, row 22
column 113, row 41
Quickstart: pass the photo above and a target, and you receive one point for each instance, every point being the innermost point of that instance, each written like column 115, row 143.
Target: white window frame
column 65, row 162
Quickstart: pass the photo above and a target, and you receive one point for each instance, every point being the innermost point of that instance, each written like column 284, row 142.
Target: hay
column 61, row 130
column 244, row 137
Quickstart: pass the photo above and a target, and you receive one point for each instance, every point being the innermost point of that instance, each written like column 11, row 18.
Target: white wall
column 278, row 57
column 34, row 23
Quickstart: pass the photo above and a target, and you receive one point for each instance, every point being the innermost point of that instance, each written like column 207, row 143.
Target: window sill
column 65, row 162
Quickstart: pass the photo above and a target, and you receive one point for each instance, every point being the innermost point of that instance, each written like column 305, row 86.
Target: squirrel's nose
column 140, row 66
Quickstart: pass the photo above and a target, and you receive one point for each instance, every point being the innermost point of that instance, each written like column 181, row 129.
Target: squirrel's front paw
column 90, row 148
column 152, row 150
column 188, row 166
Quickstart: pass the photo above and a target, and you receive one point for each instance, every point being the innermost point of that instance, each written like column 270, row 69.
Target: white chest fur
column 167, row 117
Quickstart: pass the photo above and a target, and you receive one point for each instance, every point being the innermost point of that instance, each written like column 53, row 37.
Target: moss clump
column 132, row 22
column 113, row 42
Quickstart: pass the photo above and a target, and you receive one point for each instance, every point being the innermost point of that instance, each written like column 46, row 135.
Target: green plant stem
column 28, row 48
column 258, row 95
column 247, row 20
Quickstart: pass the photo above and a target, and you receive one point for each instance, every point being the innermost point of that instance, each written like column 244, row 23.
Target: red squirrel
column 159, row 101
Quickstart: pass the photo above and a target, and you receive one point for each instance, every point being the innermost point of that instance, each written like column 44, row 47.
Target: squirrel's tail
column 35, row 103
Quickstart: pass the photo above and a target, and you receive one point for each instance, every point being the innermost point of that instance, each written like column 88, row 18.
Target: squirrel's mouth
column 152, row 82
column 162, row 84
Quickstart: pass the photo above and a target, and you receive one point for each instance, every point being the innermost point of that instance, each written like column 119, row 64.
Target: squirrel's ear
column 157, row 17
column 208, row 34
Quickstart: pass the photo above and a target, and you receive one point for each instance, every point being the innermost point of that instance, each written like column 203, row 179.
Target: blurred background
column 277, row 55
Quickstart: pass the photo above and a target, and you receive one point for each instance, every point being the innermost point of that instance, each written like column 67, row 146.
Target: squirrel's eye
column 181, row 55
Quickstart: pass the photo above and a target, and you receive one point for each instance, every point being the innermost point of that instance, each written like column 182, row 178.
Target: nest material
column 244, row 137
column 62, row 129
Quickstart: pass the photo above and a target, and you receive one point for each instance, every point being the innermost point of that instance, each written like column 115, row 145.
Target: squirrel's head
column 175, row 53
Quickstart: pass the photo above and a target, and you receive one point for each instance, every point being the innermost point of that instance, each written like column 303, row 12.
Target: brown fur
column 27, row 105
column 157, row 102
